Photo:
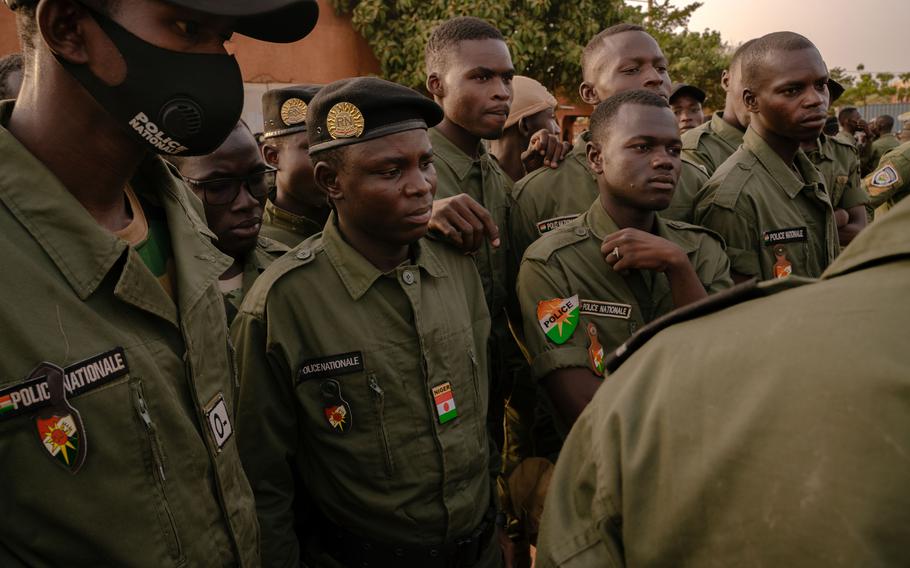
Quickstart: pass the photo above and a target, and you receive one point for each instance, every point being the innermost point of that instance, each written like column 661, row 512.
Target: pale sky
column 847, row 32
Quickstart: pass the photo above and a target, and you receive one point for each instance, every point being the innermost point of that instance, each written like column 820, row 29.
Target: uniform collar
column 285, row 219
column 601, row 224
column 780, row 172
column 258, row 259
column 452, row 155
column 823, row 147
column 727, row 132
column 884, row 239
column 357, row 273
column 83, row 251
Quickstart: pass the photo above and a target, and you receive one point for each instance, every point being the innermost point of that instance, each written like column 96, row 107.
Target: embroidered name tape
column 78, row 378
column 333, row 365
column 606, row 309
column 784, row 236
column 548, row 225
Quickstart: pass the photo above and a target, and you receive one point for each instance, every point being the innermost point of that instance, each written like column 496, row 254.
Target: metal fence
column 894, row 109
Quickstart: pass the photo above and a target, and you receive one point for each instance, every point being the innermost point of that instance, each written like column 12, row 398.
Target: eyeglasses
column 223, row 191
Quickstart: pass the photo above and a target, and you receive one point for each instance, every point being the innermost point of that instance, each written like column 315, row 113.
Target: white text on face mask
column 154, row 135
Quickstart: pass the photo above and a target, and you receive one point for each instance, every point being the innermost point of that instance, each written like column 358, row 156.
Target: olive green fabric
column 692, row 177
column 483, row 180
column 882, row 146
column 258, row 259
column 568, row 262
column 755, row 197
column 155, row 489
column 839, row 165
column 546, row 198
column 890, row 181
column 711, row 143
column 846, row 138
column 286, row 227
column 396, row 475
column 765, row 442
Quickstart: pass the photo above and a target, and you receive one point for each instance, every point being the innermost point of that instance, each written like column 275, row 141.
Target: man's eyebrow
column 482, row 69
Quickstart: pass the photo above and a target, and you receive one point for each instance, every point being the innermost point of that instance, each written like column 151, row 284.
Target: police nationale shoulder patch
column 332, row 365
column 33, row 393
column 884, row 178
column 606, row 309
column 558, row 318
column 548, row 225
column 784, row 236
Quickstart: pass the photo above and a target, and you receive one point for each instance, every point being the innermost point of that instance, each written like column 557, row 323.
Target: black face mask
column 175, row 103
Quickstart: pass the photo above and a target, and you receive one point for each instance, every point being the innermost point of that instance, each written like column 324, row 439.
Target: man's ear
column 750, row 100
column 725, row 80
column 326, row 179
column 595, row 157
column 434, row 85
column 588, row 93
column 523, row 128
column 70, row 32
column 270, row 154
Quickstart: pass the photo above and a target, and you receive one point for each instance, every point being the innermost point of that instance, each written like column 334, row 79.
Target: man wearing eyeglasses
column 232, row 182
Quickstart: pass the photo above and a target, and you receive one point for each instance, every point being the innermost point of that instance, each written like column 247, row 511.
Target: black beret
column 356, row 110
column 279, row 21
column 691, row 90
column 284, row 110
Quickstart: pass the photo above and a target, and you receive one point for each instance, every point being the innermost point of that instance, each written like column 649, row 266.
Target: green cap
column 351, row 111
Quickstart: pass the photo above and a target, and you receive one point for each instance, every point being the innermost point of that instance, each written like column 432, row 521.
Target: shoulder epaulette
column 683, row 226
column 731, row 177
column 301, row 255
column 545, row 246
column 271, row 246
column 520, row 185
column 751, row 290
column 691, row 138
column 695, row 163
column 838, row 142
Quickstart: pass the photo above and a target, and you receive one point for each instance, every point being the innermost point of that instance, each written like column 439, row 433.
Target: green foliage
column 546, row 37
column 865, row 88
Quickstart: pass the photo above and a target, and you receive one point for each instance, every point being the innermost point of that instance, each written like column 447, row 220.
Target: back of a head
column 446, row 36
column 589, row 54
column 885, row 123
column 606, row 112
column 755, row 53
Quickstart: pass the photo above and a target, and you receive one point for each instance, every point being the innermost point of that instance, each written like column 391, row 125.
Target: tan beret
column 529, row 98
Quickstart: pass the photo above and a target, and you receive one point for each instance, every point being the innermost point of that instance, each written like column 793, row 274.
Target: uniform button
column 303, row 254
column 581, row 231
column 408, row 277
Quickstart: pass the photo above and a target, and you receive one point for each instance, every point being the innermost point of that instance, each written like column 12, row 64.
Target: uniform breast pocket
column 123, row 478
column 786, row 252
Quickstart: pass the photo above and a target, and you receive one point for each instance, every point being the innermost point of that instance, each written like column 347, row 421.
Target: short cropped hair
column 9, row 64
column 589, row 54
column 447, row 35
column 885, row 123
column 757, row 52
column 845, row 113
column 607, row 110
column 737, row 58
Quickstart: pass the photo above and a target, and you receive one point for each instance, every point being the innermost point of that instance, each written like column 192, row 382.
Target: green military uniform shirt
column 882, row 146
column 484, row 181
column 773, row 221
column 890, row 181
column 340, row 367
column 772, row 433
column 547, row 199
column 711, row 143
column 151, row 377
column 838, row 164
column 257, row 260
column 286, row 227
column 567, row 263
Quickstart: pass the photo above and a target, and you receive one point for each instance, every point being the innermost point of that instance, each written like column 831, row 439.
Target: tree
column 546, row 37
